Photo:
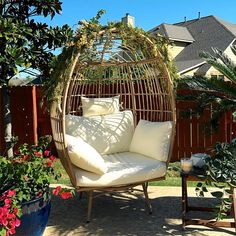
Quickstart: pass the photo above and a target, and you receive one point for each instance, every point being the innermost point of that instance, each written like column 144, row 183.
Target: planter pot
column 34, row 218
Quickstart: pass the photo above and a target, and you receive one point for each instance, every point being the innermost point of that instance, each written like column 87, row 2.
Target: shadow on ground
column 123, row 215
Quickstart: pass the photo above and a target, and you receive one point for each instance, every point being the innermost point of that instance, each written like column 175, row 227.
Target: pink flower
column 11, row 193
column 4, row 222
column 12, row 231
column 57, row 190
column 66, row 195
column 52, row 158
column 47, row 153
column 7, row 202
column 15, row 223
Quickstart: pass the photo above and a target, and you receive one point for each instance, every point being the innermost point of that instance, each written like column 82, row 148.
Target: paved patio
column 124, row 214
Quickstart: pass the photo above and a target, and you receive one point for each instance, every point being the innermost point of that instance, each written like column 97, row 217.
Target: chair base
column 91, row 197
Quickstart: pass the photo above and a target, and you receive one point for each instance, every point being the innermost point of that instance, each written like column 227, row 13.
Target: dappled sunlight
column 125, row 214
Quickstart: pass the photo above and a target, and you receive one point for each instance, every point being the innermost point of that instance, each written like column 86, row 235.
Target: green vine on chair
column 92, row 31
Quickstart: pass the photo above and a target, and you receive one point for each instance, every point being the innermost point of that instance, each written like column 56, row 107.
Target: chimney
column 128, row 20
column 199, row 15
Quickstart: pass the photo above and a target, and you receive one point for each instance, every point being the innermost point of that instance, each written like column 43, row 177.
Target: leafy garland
column 82, row 45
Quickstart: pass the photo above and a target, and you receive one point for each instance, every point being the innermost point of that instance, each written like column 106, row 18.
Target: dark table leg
column 184, row 201
column 234, row 206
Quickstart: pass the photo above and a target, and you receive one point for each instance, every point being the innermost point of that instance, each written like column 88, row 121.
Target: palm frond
column 204, row 84
column 226, row 69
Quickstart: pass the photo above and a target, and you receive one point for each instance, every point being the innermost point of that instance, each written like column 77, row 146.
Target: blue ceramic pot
column 34, row 217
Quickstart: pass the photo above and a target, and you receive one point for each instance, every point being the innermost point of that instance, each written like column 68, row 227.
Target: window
column 220, row 77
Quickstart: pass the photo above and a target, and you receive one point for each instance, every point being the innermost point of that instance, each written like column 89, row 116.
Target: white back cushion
column 85, row 156
column 152, row 139
column 107, row 134
column 99, row 106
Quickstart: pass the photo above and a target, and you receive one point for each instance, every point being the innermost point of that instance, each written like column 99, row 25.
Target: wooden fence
column 31, row 121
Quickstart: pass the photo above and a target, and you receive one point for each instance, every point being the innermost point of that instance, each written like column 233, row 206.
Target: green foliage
column 220, row 93
column 85, row 47
column 24, row 177
column 213, row 93
column 28, row 172
column 162, row 45
column 221, row 167
column 221, row 173
column 25, row 43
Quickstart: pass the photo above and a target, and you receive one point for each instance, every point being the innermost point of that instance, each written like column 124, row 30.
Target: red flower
column 66, row 195
column 24, row 158
column 38, row 154
column 12, row 231
column 49, row 164
column 57, row 190
column 7, row 202
column 52, row 158
column 15, row 223
column 47, row 153
column 11, row 193
column 15, row 211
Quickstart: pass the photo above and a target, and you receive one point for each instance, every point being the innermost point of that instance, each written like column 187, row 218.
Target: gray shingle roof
column 203, row 69
column 208, row 32
column 174, row 32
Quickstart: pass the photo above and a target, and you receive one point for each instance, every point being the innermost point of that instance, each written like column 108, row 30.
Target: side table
column 186, row 207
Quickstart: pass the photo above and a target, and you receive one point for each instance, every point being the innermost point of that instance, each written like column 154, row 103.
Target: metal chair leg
column 148, row 203
column 90, row 203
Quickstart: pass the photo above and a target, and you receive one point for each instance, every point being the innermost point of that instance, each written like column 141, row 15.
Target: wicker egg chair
column 127, row 64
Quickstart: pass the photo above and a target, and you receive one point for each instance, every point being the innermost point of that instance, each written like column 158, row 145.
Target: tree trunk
column 7, row 120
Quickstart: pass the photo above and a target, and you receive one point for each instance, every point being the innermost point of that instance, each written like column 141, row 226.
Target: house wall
column 176, row 48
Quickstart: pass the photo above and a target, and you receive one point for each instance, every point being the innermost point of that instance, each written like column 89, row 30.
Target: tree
column 26, row 45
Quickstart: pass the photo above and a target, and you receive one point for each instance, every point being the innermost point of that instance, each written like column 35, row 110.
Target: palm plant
column 220, row 168
column 215, row 91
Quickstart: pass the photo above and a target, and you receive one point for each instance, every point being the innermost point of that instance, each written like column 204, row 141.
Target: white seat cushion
column 99, row 106
column 123, row 168
column 107, row 134
column 85, row 156
column 152, row 139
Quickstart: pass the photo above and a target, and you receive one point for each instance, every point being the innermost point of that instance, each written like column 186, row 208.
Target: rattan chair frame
column 147, row 90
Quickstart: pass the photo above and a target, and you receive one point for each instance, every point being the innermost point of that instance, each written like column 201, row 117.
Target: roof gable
column 208, row 32
column 174, row 32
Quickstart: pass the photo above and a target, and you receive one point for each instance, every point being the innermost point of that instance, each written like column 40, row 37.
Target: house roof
column 208, row 32
column 174, row 32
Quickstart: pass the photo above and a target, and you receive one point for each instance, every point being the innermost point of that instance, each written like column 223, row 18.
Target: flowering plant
column 24, row 177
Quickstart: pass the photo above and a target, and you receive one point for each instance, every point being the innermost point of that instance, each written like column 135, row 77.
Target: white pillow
column 107, row 134
column 152, row 139
column 99, row 106
column 85, row 156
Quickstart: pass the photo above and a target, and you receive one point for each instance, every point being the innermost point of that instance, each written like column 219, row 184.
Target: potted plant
column 220, row 172
column 24, row 189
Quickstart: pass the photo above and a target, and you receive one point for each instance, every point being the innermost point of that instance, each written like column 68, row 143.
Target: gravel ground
column 124, row 214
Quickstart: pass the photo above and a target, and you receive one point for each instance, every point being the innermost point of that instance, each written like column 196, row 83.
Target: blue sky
column 147, row 13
